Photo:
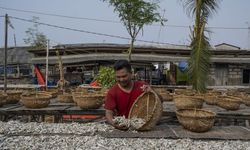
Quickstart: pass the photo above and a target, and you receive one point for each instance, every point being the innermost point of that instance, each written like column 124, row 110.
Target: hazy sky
column 232, row 14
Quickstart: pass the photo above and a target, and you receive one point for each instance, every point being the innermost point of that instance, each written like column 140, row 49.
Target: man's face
column 123, row 77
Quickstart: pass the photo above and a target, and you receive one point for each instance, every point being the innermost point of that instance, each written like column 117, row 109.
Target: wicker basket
column 37, row 100
column 159, row 89
column 65, row 98
column 3, row 97
column 166, row 96
column 229, row 102
column 53, row 93
column 75, row 95
column 210, row 99
column 185, row 102
column 214, row 92
column 88, row 101
column 13, row 97
column 82, row 90
column 196, row 120
column 148, row 107
column 246, row 100
column 187, row 92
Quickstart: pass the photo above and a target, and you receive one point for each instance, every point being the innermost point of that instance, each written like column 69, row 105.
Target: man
column 123, row 94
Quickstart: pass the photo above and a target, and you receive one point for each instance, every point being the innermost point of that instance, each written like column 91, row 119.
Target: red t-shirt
column 120, row 101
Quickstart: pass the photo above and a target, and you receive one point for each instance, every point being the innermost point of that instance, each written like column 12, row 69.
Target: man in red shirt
column 123, row 94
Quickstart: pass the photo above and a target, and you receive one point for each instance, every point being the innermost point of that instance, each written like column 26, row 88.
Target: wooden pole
column 5, row 52
column 47, row 65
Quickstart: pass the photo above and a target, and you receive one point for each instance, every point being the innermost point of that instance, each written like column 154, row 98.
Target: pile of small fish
column 16, row 127
column 17, row 135
column 133, row 123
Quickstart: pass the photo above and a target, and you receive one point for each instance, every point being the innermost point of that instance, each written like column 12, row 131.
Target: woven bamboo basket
column 82, row 90
column 166, row 96
column 246, row 100
column 211, row 99
column 65, row 98
column 232, row 92
column 3, row 97
column 38, row 100
column 196, row 120
column 185, row 102
column 148, row 107
column 187, row 92
column 75, row 95
column 50, row 92
column 229, row 102
column 159, row 89
column 13, row 96
column 215, row 92
column 88, row 101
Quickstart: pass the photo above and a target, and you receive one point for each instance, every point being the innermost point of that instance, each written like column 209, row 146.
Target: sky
column 231, row 23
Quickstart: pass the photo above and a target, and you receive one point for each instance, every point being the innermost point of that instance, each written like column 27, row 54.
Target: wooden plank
column 177, row 132
column 222, row 132
column 62, row 104
column 9, row 106
column 78, row 111
column 50, row 110
column 71, row 108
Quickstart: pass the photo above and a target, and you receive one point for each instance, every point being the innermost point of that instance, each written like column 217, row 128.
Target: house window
column 246, row 76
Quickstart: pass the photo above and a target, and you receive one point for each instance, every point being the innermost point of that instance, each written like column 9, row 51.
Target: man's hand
column 110, row 116
column 146, row 88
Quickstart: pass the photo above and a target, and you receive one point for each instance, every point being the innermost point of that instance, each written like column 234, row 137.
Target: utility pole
column 5, row 52
column 15, row 39
column 248, row 36
column 159, row 33
column 47, row 65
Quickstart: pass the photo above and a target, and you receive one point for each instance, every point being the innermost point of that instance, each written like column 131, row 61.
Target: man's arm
column 110, row 116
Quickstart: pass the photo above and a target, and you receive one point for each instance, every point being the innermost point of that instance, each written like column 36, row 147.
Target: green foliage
column 35, row 38
column 134, row 14
column 106, row 76
column 199, row 61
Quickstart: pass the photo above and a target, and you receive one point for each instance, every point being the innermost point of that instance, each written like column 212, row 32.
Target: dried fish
column 76, row 141
column 132, row 124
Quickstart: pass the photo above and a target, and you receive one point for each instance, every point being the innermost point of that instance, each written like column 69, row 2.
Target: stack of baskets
column 35, row 100
column 89, row 100
column 189, row 112
column 196, row 120
column 148, row 107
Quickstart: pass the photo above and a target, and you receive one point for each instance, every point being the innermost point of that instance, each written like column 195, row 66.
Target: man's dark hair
column 121, row 64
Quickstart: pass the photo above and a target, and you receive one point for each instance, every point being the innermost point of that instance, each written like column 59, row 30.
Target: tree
column 134, row 14
column 199, row 62
column 35, row 38
column 106, row 76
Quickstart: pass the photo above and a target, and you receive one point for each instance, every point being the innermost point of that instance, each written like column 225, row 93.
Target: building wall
column 235, row 74
column 226, row 74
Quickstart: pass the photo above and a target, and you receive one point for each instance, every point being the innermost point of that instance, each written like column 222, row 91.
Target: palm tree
column 199, row 61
